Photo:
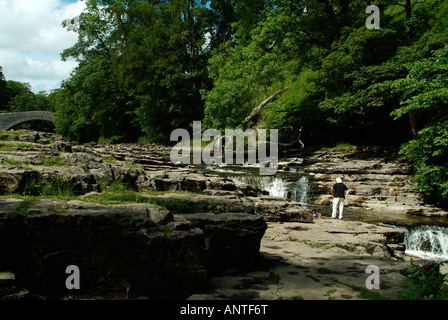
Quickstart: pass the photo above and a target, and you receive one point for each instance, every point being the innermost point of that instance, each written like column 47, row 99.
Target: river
column 425, row 237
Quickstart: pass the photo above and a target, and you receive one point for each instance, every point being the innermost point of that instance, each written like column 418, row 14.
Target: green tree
column 366, row 57
column 222, row 17
column 247, row 71
column 90, row 106
column 166, row 72
column 4, row 94
column 17, row 96
column 424, row 91
column 345, row 80
column 280, row 51
column 141, row 59
column 23, row 99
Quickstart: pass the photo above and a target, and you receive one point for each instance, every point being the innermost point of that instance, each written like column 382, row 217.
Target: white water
column 296, row 190
column 297, row 187
column 427, row 242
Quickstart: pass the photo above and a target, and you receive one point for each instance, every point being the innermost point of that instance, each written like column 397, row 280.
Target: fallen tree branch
column 297, row 141
column 261, row 106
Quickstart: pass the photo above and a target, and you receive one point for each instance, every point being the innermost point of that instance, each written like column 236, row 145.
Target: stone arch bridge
column 9, row 120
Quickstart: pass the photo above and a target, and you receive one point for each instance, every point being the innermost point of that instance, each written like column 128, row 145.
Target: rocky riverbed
column 193, row 231
column 320, row 261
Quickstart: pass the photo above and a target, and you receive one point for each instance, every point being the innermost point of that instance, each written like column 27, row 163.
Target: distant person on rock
column 340, row 192
column 316, row 214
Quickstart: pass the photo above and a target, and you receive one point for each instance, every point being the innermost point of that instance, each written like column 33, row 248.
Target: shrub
column 425, row 283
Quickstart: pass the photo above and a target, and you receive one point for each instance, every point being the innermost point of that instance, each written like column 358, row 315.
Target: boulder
column 116, row 248
column 140, row 248
column 272, row 209
column 277, row 209
column 232, row 240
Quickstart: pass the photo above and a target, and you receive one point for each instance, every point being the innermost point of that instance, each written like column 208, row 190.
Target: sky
column 32, row 39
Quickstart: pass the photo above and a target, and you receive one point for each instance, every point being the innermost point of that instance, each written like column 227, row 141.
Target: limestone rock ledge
column 47, row 159
column 137, row 247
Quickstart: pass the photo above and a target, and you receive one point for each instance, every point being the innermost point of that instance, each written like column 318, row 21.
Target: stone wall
column 9, row 120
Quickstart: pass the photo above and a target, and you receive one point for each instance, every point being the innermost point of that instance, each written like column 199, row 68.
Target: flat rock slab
column 324, row 260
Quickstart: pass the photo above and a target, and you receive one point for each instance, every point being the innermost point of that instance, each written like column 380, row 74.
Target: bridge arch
column 9, row 120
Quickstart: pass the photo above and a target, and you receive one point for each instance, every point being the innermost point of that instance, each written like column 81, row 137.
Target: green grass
column 59, row 188
column 330, row 292
column 11, row 162
column 110, row 160
column 112, row 197
column 114, row 194
column 48, row 161
column 14, row 146
column 368, row 294
column 14, row 133
column 24, row 206
column 54, row 162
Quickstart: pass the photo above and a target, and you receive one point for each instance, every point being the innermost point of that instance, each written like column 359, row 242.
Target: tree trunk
column 331, row 15
column 408, row 10
column 413, row 122
column 261, row 106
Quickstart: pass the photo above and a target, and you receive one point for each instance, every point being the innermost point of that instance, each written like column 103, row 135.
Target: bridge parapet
column 9, row 120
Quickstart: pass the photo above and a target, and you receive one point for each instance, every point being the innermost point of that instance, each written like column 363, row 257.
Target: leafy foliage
column 17, row 97
column 148, row 67
column 425, row 283
column 142, row 65
column 424, row 92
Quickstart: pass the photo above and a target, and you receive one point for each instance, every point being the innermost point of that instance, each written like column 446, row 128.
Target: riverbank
column 300, row 257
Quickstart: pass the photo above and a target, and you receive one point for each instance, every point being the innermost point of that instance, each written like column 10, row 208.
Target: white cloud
column 32, row 38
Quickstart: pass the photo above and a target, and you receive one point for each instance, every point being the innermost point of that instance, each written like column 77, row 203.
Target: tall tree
column 222, row 18
column 248, row 71
column 425, row 92
column 4, row 95
column 150, row 56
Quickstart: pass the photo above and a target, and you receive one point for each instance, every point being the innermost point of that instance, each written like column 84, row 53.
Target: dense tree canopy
column 142, row 66
column 149, row 67
column 17, row 96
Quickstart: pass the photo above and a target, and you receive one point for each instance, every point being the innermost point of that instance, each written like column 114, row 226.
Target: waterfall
column 278, row 188
column 428, row 242
column 297, row 190
column 300, row 191
column 293, row 185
